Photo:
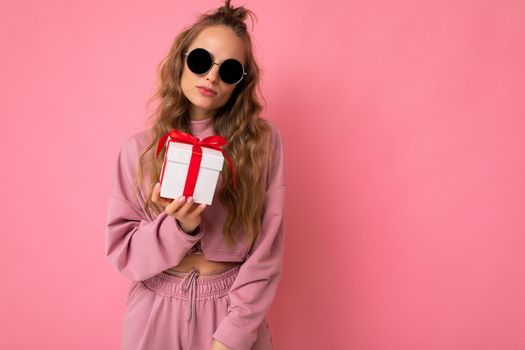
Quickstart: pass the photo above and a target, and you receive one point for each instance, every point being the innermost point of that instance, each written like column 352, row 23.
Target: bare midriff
column 204, row 266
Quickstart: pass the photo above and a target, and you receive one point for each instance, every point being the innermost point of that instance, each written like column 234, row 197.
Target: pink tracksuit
column 187, row 310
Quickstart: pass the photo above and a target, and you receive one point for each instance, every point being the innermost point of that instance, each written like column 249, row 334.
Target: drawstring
column 190, row 281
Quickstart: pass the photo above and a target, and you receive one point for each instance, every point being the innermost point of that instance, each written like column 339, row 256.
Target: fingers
column 197, row 211
column 185, row 207
column 175, row 205
column 180, row 208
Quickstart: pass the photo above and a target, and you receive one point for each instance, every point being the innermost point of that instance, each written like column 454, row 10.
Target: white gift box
column 175, row 169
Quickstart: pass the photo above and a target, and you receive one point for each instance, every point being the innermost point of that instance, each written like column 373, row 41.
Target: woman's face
column 222, row 43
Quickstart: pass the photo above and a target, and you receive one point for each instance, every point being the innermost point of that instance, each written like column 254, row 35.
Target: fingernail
column 190, row 199
column 181, row 199
column 157, row 185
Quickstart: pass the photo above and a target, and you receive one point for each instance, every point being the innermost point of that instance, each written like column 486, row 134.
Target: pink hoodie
column 140, row 246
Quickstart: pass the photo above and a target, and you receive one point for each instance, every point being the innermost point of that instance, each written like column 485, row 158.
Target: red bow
column 214, row 142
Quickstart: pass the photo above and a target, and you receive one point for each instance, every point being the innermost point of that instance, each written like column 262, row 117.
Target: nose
column 213, row 74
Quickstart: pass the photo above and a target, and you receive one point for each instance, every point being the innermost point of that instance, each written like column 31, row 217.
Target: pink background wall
column 403, row 124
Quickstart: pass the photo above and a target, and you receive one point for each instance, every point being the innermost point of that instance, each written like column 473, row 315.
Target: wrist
column 192, row 232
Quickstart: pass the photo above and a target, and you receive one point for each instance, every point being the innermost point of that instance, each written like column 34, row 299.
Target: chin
column 205, row 103
column 205, row 106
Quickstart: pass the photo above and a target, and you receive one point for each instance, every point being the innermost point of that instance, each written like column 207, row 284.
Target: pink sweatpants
column 180, row 311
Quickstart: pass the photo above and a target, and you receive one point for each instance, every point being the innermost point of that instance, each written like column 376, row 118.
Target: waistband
column 207, row 285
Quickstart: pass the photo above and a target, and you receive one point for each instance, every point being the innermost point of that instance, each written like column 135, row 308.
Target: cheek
column 186, row 82
column 184, row 78
column 227, row 92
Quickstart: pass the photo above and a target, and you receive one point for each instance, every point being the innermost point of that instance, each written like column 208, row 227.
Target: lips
column 206, row 91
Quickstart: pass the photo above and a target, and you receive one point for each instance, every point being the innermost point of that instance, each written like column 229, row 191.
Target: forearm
column 140, row 249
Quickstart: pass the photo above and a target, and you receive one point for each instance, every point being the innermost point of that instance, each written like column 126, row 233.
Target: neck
column 197, row 113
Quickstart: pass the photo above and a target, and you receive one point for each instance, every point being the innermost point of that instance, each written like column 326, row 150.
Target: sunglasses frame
column 186, row 54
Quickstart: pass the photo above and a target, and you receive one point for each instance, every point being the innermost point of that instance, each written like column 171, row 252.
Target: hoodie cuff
column 172, row 225
column 236, row 338
column 197, row 231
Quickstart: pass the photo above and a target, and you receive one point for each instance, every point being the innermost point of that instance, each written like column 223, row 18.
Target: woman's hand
column 215, row 345
column 187, row 213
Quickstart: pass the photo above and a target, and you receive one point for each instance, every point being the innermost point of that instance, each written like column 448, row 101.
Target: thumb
column 155, row 195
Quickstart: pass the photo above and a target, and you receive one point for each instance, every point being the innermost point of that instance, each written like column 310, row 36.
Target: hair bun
column 238, row 13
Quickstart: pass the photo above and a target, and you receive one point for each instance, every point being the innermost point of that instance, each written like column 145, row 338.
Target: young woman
column 203, row 277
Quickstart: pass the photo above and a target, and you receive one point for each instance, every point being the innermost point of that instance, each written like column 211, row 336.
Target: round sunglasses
column 200, row 61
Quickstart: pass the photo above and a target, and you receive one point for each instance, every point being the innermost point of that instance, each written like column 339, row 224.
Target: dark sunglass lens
column 199, row 61
column 231, row 71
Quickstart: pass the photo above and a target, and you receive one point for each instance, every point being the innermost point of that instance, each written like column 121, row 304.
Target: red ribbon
column 214, row 142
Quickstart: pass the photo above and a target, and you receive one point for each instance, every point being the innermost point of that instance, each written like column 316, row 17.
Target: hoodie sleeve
column 137, row 246
column 255, row 286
